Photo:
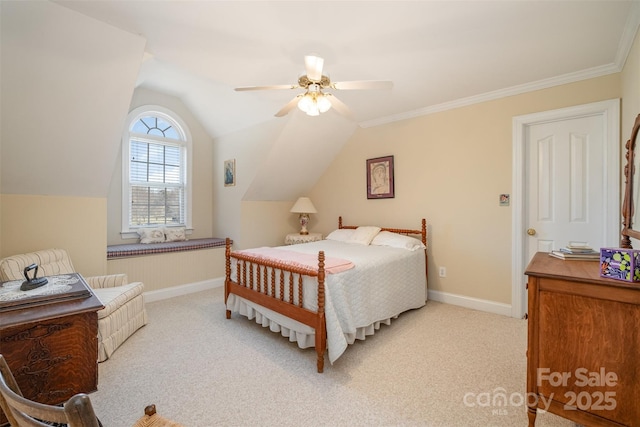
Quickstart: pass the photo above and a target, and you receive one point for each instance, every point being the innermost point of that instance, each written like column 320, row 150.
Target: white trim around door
column 610, row 112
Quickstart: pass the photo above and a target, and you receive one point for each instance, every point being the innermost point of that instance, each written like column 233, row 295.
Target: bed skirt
column 301, row 334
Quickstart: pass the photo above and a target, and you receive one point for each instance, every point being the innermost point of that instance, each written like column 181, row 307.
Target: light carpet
column 440, row 365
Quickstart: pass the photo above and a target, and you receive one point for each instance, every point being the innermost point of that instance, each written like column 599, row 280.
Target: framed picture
column 229, row 172
column 380, row 178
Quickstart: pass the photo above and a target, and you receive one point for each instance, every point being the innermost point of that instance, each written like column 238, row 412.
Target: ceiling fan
column 314, row 101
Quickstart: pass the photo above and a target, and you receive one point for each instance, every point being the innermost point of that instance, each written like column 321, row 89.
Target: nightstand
column 295, row 238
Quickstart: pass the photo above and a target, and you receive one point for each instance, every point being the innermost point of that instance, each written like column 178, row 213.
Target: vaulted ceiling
column 438, row 54
column 69, row 68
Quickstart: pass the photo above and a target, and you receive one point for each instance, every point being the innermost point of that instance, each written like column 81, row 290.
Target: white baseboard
column 189, row 288
column 444, row 297
column 469, row 302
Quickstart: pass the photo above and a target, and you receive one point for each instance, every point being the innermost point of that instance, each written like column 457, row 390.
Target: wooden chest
column 52, row 348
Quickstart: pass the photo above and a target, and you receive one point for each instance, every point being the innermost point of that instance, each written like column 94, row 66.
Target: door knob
column 531, row 231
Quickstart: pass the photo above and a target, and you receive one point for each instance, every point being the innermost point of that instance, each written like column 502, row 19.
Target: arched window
column 156, row 150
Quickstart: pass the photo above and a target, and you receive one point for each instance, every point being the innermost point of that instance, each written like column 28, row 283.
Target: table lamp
column 304, row 207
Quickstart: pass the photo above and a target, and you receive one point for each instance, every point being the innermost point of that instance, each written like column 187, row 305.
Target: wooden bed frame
column 271, row 274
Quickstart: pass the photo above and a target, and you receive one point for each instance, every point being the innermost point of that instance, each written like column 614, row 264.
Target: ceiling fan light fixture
column 306, row 103
column 314, row 80
column 313, row 111
column 314, row 102
column 313, row 65
column 323, row 103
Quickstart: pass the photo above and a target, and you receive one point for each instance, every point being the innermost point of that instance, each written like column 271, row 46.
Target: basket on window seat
column 123, row 312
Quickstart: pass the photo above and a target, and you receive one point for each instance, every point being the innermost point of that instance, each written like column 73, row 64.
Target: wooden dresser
column 583, row 356
column 52, row 348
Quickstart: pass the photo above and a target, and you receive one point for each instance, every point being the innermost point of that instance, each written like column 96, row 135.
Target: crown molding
column 497, row 94
column 624, row 47
column 628, row 34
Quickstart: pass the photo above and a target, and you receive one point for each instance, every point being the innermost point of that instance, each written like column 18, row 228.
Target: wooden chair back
column 21, row 412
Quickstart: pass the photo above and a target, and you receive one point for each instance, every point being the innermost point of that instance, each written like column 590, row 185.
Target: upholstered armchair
column 123, row 312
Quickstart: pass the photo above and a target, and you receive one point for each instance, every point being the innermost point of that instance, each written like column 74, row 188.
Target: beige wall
column 77, row 224
column 232, row 216
column 202, row 177
column 451, row 168
column 66, row 84
column 265, row 224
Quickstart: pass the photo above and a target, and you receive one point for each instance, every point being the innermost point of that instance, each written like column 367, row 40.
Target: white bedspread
column 384, row 283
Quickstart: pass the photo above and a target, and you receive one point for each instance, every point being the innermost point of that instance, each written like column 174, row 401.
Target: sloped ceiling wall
column 302, row 152
column 297, row 156
column 67, row 82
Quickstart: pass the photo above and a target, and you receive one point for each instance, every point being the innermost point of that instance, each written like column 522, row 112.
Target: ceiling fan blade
column 290, row 106
column 313, row 64
column 363, row 84
column 240, row 89
column 339, row 106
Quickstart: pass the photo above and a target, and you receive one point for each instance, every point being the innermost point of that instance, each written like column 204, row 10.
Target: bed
column 327, row 294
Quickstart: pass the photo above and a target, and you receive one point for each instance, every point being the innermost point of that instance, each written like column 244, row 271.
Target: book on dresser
column 576, row 252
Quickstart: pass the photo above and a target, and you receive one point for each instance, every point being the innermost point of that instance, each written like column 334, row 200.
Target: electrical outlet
column 442, row 271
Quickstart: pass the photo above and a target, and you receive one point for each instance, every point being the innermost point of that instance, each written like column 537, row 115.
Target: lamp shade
column 303, row 205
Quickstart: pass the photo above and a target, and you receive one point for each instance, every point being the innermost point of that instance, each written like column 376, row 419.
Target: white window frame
column 129, row 232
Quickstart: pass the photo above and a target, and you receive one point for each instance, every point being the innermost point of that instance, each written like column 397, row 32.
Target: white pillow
column 363, row 235
column 151, row 235
column 175, row 234
column 395, row 240
column 341, row 234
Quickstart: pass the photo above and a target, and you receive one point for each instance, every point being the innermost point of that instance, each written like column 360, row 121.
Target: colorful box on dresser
column 620, row 264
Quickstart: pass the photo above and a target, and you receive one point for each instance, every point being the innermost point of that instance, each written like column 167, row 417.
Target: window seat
column 141, row 249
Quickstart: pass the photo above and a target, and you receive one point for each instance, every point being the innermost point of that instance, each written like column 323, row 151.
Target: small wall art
column 229, row 172
column 380, row 183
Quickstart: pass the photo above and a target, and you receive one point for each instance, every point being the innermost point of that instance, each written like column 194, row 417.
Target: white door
column 566, row 184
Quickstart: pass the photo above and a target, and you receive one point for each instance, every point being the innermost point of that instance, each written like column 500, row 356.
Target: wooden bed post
column 227, row 267
column 321, row 328
column 292, row 306
column 424, row 242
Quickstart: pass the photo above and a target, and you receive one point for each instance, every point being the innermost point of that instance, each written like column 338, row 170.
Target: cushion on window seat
column 138, row 249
